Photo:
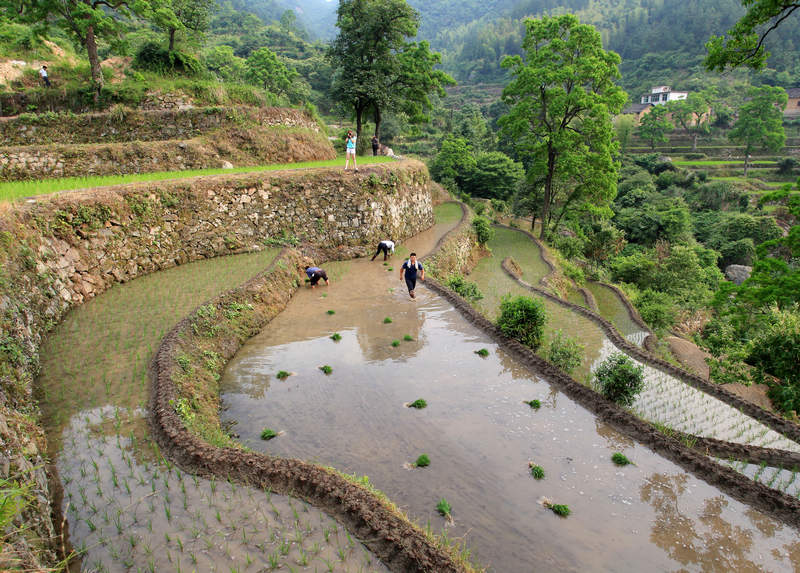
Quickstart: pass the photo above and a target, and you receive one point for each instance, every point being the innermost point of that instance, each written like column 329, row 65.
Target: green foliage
column 282, row 375
column 620, row 379
column 443, row 507
column 268, row 434
column 155, row 58
column 453, row 161
column 423, row 461
column 537, row 472
column 565, row 80
column 660, row 218
column 657, row 309
column 483, row 353
column 13, row 499
column 395, row 343
column 693, row 114
column 655, row 125
column 265, row 69
column 741, row 252
column 469, row 290
column 326, row 369
column 565, row 352
column 620, row 459
column 483, row 230
column 494, row 176
column 559, row 509
column 760, row 121
column 408, row 338
column 331, row 311
column 419, row 403
column 336, row 337
column 221, row 61
column 387, row 320
column 535, row 404
column 523, row 318
column 775, row 350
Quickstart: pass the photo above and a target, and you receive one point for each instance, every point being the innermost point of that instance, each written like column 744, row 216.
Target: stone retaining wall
column 142, row 125
column 58, row 250
column 235, row 147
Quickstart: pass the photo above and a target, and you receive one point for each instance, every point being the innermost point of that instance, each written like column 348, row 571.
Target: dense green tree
column 693, row 114
column 227, row 66
column 182, row 15
column 453, row 162
column 561, row 99
column 655, row 125
column 760, row 122
column 494, row 176
column 744, row 44
column 264, row 68
column 624, row 126
column 375, row 66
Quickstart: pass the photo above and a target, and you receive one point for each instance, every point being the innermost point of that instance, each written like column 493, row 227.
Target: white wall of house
column 663, row 94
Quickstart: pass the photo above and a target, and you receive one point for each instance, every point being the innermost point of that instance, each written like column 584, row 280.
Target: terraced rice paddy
column 127, row 508
column 479, row 434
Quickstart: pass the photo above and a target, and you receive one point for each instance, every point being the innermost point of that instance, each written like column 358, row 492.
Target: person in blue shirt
column 410, row 269
column 350, row 150
column 315, row 274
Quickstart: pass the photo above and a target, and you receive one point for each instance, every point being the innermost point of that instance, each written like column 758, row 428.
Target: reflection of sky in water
column 479, row 436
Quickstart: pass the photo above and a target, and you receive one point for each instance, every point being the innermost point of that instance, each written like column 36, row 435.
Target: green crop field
column 14, row 190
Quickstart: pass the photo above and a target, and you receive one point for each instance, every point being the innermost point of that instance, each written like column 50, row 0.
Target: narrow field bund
column 60, row 250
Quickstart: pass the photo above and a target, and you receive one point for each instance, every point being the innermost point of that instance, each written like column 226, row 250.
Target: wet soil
column 127, row 508
column 479, row 435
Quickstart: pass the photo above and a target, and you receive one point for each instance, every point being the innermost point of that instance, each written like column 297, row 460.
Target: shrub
column 523, row 318
column 463, row 287
column 656, row 308
column 620, row 379
column 423, row 461
column 741, row 252
column 155, row 58
column 483, row 230
column 565, row 352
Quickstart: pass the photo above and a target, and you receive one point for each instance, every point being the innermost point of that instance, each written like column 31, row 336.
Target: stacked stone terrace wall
column 58, row 251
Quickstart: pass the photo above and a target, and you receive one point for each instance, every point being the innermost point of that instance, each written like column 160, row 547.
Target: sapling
column 268, row 434
column 326, row 369
column 483, row 353
column 620, row 459
column 535, row 404
column 422, row 461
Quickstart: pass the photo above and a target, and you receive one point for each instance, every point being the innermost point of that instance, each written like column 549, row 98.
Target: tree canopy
column 561, row 99
column 655, row 125
column 760, row 122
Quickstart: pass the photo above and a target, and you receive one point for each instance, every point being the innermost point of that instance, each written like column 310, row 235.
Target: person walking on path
column 387, row 247
column 350, row 150
column 410, row 268
column 315, row 274
column 45, row 77
column 375, row 145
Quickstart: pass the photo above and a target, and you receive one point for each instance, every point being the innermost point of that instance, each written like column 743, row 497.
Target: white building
column 663, row 94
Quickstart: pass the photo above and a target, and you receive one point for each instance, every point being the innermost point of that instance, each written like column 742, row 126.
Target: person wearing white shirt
column 45, row 78
column 387, row 247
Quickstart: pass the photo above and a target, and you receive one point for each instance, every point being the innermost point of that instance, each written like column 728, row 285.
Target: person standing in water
column 315, row 274
column 409, row 269
column 387, row 247
column 350, row 150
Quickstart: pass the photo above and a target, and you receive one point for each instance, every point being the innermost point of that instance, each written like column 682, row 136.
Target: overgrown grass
column 12, row 190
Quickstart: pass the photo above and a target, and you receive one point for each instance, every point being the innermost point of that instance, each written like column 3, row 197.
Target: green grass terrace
column 16, row 190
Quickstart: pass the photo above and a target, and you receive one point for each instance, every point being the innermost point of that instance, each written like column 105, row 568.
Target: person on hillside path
column 387, row 247
column 315, row 274
column 45, row 77
column 409, row 269
column 375, row 145
column 350, row 150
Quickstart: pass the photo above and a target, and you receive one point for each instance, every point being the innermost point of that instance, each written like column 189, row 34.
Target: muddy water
column 480, row 437
column 126, row 507
column 614, row 310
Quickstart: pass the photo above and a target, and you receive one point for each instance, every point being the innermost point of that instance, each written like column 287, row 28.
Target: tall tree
column 264, row 68
column 654, row 125
column 183, row 15
column 760, row 122
column 375, row 67
column 561, row 100
column 693, row 114
column 744, row 44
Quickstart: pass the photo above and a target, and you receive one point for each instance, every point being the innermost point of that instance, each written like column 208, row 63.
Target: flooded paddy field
column 126, row 507
column 479, row 434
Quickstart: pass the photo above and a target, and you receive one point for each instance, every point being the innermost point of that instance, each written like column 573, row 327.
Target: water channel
column 477, row 431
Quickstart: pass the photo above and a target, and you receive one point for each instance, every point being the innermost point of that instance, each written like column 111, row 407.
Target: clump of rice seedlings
column 535, row 404
column 536, row 471
column 324, row 294
column 395, row 343
column 390, row 269
column 387, row 320
column 559, row 509
column 423, row 461
column 282, row 375
column 419, row 403
column 483, row 353
column 620, row 459
column 268, row 434
column 331, row 311
column 326, row 369
column 385, row 264
column 408, row 338
column 336, row 337
column 444, row 508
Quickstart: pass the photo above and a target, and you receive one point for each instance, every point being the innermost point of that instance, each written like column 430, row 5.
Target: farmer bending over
column 316, row 273
column 410, row 268
column 387, row 247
